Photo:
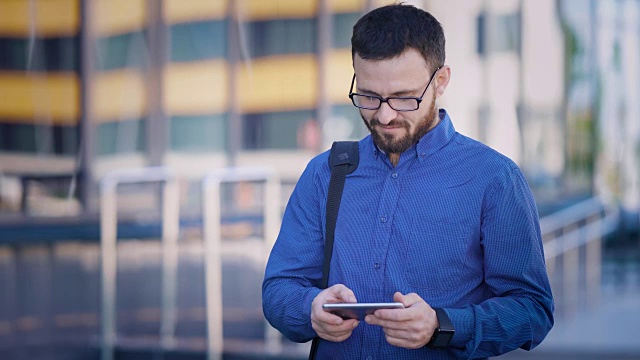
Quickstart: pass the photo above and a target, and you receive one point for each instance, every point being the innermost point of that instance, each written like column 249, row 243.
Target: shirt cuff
column 306, row 304
column 463, row 321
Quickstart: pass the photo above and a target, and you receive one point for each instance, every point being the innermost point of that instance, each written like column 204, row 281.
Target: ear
column 442, row 80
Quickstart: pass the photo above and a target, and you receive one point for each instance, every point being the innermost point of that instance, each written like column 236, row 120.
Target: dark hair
column 388, row 31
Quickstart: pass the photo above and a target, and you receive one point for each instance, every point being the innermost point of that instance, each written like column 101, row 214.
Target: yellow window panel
column 40, row 97
column 346, row 6
column 276, row 9
column 49, row 17
column 114, row 17
column 177, row 11
column 196, row 88
column 278, row 83
column 119, row 95
column 380, row 3
column 339, row 75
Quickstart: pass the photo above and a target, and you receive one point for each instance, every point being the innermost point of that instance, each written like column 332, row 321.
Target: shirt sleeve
column 294, row 269
column 520, row 312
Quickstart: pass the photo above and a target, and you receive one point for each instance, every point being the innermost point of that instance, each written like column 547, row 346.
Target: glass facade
column 120, row 51
column 275, row 130
column 281, row 37
column 198, row 133
column 39, row 54
column 120, row 137
column 186, row 79
column 198, row 40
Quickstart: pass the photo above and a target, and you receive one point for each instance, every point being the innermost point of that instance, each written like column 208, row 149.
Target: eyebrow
column 394, row 94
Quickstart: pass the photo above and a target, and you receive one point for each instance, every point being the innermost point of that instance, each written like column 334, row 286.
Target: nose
column 386, row 114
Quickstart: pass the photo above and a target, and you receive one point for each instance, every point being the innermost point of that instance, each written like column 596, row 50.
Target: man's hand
column 327, row 325
column 411, row 327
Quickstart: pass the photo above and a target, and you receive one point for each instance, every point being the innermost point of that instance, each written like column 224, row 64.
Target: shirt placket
column 385, row 216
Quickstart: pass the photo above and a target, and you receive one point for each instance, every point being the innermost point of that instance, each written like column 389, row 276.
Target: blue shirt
column 454, row 222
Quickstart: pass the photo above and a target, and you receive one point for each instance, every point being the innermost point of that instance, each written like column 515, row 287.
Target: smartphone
column 358, row 310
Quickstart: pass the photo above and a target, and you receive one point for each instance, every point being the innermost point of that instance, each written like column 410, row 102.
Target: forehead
column 408, row 71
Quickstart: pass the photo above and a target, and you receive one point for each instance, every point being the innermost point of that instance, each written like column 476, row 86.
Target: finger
column 338, row 333
column 329, row 295
column 412, row 303
column 343, row 293
column 318, row 314
column 407, row 300
column 402, row 338
column 398, row 297
column 335, row 337
column 347, row 325
column 384, row 322
column 329, row 328
column 401, row 334
column 396, row 315
column 403, row 343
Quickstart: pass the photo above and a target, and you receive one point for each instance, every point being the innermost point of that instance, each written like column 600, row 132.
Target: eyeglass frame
column 386, row 100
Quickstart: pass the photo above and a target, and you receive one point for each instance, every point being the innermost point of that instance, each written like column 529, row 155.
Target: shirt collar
column 432, row 141
column 437, row 137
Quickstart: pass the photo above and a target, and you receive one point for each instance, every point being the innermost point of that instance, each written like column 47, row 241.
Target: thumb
column 343, row 293
column 398, row 297
column 407, row 300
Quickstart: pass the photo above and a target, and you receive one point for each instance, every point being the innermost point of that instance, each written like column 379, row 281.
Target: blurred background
column 179, row 128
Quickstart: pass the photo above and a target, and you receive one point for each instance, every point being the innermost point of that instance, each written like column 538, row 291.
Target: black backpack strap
column 343, row 160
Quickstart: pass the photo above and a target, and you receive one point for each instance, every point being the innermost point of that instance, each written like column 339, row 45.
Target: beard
column 392, row 145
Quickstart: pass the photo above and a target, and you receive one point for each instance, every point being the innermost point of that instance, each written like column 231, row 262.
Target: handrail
column 568, row 233
column 553, row 226
column 571, row 214
column 212, row 241
column 108, row 238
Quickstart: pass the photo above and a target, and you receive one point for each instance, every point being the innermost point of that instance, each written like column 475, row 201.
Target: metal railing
column 213, row 243
column 108, row 240
column 572, row 240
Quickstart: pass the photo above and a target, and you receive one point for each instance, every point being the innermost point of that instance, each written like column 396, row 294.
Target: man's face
column 406, row 75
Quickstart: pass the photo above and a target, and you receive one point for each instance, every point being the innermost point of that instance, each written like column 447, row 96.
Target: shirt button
column 383, row 219
column 423, row 155
column 376, row 266
column 394, row 175
column 369, row 357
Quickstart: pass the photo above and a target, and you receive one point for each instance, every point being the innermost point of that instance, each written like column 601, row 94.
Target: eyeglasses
column 397, row 103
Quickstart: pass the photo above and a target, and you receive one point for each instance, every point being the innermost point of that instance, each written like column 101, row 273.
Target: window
column 498, row 33
column 198, row 40
column 279, row 130
column 18, row 137
column 65, row 139
column 351, row 115
column 199, row 133
column 284, row 36
column 120, row 137
column 507, row 33
column 61, row 140
column 342, row 29
column 122, row 51
column 51, row 54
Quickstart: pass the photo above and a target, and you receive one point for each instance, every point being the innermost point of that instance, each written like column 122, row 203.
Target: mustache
column 392, row 123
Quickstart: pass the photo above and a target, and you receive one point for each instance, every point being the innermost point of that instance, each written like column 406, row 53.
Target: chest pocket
column 436, row 253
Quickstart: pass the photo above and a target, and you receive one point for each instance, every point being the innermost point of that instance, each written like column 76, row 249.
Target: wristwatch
column 443, row 334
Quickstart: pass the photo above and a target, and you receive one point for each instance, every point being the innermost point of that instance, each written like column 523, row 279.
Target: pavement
column 608, row 330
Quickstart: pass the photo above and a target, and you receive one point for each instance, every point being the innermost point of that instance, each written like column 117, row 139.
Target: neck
column 394, row 159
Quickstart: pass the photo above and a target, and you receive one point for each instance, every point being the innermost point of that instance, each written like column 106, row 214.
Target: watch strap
column 444, row 333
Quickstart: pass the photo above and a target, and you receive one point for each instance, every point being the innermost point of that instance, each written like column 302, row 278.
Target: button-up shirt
column 454, row 221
